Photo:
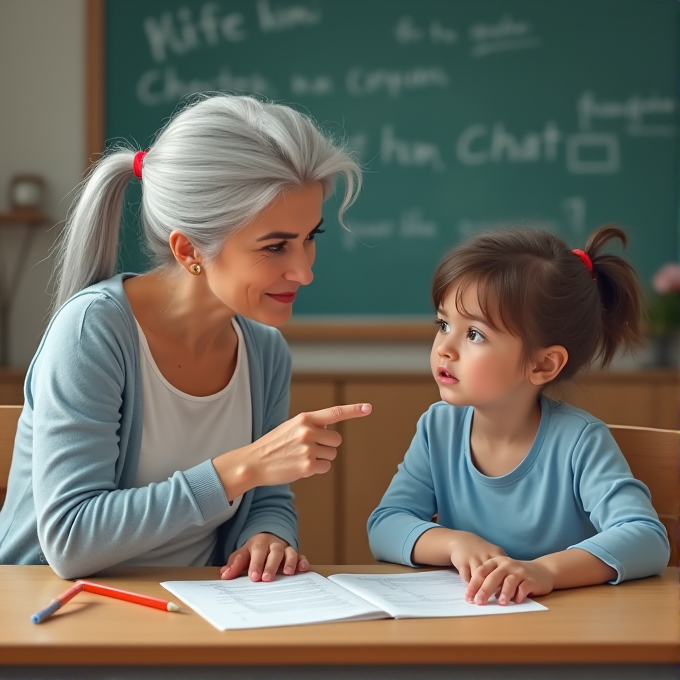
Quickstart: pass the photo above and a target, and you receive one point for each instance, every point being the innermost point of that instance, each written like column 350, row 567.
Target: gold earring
column 195, row 268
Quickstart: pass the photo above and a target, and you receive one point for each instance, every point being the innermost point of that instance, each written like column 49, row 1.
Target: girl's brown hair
column 532, row 284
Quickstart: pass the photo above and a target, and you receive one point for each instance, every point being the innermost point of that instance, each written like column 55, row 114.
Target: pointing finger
column 334, row 414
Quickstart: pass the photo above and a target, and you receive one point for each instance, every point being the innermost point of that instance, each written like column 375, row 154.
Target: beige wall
column 42, row 122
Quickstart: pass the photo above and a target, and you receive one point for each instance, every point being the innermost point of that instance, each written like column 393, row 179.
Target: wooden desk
column 635, row 622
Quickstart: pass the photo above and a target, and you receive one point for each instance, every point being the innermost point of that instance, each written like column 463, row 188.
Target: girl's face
column 260, row 268
column 473, row 364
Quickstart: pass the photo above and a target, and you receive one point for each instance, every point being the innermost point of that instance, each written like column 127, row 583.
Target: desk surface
column 635, row 622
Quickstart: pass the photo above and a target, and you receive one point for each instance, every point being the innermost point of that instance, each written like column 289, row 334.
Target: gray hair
column 218, row 163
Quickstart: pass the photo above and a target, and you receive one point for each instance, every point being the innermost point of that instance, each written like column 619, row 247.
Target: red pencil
column 57, row 603
column 146, row 600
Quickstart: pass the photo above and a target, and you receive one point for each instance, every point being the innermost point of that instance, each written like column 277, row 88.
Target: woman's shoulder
column 100, row 306
column 96, row 321
column 263, row 338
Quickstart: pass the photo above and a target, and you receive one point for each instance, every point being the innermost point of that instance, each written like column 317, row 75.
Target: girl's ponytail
column 88, row 248
column 620, row 294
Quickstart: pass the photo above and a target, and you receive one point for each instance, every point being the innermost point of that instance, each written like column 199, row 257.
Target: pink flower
column 667, row 278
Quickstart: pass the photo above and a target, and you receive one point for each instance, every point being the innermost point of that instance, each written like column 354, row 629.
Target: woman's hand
column 508, row 579
column 469, row 551
column 263, row 555
column 300, row 447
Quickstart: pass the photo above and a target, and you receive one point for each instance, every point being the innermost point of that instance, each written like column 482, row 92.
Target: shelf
column 23, row 217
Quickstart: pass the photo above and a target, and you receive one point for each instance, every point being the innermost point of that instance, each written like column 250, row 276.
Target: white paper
column 424, row 594
column 285, row 601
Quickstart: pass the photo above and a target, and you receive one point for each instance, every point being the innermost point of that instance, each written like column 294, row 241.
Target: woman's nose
column 301, row 271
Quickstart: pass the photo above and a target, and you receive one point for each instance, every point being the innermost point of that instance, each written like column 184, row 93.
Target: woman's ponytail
column 88, row 248
column 620, row 294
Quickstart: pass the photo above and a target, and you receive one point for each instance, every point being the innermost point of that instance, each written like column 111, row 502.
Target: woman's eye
column 276, row 248
column 312, row 234
column 444, row 326
column 475, row 336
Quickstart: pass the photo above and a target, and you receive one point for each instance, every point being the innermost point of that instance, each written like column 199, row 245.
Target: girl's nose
column 446, row 350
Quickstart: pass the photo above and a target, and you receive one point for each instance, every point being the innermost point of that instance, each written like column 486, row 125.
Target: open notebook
column 311, row 598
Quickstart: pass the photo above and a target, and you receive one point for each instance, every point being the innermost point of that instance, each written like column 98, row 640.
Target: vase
column 662, row 346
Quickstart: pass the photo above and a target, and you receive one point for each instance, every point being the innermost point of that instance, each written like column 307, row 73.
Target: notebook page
column 424, row 594
column 285, row 601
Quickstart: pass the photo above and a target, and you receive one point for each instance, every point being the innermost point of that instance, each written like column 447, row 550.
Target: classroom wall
column 42, row 130
column 42, row 123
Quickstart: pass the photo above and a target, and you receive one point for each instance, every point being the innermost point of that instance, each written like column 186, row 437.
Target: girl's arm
column 576, row 568
column 515, row 580
column 405, row 513
column 630, row 538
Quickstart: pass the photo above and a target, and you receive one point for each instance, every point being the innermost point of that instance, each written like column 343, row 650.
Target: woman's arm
column 78, row 384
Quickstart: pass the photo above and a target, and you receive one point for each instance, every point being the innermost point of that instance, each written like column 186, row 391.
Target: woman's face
column 260, row 268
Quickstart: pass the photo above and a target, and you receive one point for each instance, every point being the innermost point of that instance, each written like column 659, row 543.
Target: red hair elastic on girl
column 137, row 163
column 585, row 259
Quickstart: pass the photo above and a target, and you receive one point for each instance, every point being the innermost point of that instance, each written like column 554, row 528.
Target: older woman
column 155, row 426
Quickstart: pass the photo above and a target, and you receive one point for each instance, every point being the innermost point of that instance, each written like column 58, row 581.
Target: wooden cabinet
column 317, row 498
column 11, row 386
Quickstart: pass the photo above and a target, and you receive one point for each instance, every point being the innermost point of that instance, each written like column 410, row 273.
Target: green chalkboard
column 466, row 115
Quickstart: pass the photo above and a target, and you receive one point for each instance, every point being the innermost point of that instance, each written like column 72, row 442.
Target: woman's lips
column 285, row 298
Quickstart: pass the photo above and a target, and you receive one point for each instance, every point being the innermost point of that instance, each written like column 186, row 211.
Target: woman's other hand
column 261, row 557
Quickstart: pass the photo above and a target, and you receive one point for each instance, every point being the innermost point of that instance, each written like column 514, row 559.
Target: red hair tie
column 585, row 259
column 137, row 163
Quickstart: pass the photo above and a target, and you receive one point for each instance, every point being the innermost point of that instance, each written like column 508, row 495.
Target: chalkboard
column 466, row 115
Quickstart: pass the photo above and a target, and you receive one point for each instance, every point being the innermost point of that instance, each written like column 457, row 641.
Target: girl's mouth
column 445, row 378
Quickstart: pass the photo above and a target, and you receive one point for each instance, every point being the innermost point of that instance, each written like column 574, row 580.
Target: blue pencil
column 57, row 603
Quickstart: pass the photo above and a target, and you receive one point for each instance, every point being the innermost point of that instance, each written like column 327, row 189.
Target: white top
column 180, row 431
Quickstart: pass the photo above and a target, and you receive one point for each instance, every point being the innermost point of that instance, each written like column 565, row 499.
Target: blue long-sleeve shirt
column 71, row 499
column 574, row 489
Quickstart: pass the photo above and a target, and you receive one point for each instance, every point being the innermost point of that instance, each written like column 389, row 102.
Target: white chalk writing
column 505, row 35
column 180, row 33
column 284, row 18
column 634, row 111
column 163, row 86
column 359, row 81
column 408, row 153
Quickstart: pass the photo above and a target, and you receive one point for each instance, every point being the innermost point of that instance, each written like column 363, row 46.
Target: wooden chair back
column 654, row 458
column 9, row 417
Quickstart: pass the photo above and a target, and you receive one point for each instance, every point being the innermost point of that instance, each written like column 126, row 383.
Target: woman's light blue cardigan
column 71, row 500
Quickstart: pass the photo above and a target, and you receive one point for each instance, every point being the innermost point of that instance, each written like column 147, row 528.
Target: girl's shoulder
column 445, row 418
column 572, row 428
column 569, row 416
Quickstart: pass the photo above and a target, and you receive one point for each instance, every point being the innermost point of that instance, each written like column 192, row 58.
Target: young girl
column 530, row 494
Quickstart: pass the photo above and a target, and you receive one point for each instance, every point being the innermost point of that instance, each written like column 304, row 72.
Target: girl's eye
column 444, row 326
column 475, row 336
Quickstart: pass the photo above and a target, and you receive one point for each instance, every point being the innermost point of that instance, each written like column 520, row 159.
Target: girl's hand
column 508, row 579
column 263, row 555
column 469, row 551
